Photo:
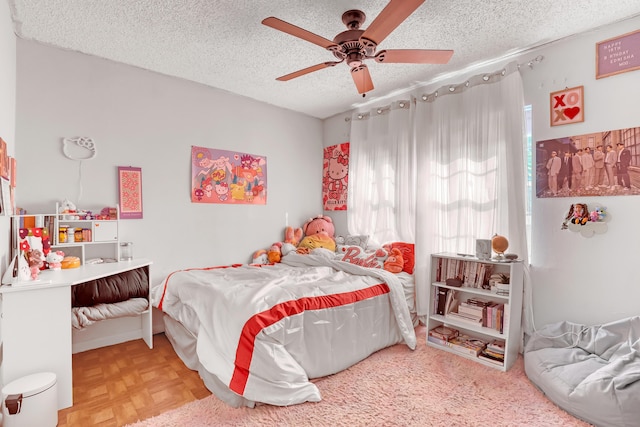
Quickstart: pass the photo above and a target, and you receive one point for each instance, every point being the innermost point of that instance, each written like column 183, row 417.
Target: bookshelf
column 83, row 238
column 475, row 310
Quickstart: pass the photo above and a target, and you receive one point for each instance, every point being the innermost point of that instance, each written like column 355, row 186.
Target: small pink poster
column 228, row 177
column 130, row 192
column 335, row 177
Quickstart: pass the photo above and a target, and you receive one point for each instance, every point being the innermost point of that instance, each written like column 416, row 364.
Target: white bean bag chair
column 592, row 372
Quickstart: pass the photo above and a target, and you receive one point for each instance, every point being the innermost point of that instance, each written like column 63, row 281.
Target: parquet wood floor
column 121, row 384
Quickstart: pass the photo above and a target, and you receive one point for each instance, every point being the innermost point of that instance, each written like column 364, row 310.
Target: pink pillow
column 358, row 256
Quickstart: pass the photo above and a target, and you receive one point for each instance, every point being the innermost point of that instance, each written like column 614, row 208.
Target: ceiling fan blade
column 283, row 26
column 362, row 78
column 391, row 16
column 414, row 56
column 307, row 70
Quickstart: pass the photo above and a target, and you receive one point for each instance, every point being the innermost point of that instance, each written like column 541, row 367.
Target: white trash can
column 31, row 401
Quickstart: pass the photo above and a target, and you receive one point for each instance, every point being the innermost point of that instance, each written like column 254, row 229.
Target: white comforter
column 252, row 322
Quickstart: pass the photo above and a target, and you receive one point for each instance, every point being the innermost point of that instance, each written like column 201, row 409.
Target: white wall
column 585, row 280
column 7, row 108
column 143, row 119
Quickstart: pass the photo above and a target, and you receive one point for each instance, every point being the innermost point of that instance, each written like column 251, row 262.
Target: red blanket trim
column 255, row 324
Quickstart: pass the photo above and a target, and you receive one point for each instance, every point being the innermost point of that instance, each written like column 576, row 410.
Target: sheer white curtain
column 382, row 174
column 471, row 185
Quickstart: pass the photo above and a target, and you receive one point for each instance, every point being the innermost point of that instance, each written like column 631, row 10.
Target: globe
column 499, row 244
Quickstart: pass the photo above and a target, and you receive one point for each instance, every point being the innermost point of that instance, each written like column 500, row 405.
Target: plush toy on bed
column 276, row 251
column 394, row 262
column 274, row 254
column 318, row 233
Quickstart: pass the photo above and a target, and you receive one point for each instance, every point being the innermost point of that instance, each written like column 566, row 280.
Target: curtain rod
column 480, row 79
column 457, row 88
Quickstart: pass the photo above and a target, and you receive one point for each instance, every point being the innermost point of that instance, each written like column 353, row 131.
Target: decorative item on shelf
column 17, row 271
column 499, row 244
column 54, row 259
column 63, row 234
column 36, row 261
column 70, row 262
column 126, row 251
column 483, row 248
column 588, row 223
column 499, row 283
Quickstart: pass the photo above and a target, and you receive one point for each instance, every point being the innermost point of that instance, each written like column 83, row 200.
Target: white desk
column 35, row 325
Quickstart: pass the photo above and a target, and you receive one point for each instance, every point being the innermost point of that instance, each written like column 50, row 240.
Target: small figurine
column 54, row 258
column 36, row 261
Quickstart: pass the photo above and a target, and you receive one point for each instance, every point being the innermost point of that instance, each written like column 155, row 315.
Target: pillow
column 358, row 256
column 353, row 240
column 408, row 254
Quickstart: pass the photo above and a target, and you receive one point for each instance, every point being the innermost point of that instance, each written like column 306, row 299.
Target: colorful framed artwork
column 228, row 177
column 567, row 106
column 130, row 192
column 618, row 55
column 335, row 177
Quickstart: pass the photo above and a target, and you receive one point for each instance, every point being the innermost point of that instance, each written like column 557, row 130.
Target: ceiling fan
column 355, row 45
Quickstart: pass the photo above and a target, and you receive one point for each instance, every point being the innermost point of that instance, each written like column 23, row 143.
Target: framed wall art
column 130, row 192
column 618, row 55
column 605, row 163
column 567, row 106
column 335, row 177
column 228, row 177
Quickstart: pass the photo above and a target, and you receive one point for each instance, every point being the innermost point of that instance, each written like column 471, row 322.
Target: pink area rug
column 396, row 387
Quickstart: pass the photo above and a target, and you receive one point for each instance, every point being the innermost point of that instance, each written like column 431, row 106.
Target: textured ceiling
column 222, row 43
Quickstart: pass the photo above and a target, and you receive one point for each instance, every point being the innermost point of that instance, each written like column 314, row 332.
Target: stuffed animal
column 394, row 262
column 316, row 241
column 54, row 258
column 67, row 206
column 274, row 254
column 293, row 235
column 36, row 260
column 260, row 257
column 319, row 225
column 318, row 233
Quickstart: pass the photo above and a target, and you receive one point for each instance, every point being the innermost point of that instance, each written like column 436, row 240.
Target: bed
column 261, row 333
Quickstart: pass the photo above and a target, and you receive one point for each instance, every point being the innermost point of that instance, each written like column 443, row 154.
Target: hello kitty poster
column 228, row 177
column 335, row 177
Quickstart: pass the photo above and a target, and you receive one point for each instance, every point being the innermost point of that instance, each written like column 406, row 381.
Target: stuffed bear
column 36, row 260
column 318, row 233
column 54, row 258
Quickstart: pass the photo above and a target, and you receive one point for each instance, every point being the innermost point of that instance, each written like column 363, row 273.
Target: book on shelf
column 444, row 333
column 465, row 307
column 484, row 355
column 496, row 346
column 469, row 318
column 441, row 298
column 467, row 345
column 436, row 340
